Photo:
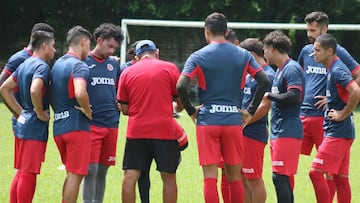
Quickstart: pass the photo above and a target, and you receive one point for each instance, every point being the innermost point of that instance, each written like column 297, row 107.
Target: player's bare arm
column 354, row 98
column 36, row 98
column 6, row 91
column 82, row 97
column 321, row 102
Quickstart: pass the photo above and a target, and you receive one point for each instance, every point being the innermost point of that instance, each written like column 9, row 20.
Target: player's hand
column 118, row 105
column 321, row 103
column 246, row 116
column 87, row 114
column 335, row 115
column 44, row 115
column 196, row 113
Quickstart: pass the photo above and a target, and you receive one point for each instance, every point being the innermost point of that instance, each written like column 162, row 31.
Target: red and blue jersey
column 285, row 120
column 315, row 77
column 102, row 84
column 66, row 117
column 221, row 69
column 148, row 87
column 12, row 64
column 28, row 125
column 258, row 130
column 338, row 78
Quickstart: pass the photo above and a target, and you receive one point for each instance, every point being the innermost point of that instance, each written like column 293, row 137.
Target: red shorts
column 253, row 158
column 75, row 149
column 28, row 155
column 313, row 133
column 215, row 142
column 285, row 154
column 333, row 156
column 103, row 145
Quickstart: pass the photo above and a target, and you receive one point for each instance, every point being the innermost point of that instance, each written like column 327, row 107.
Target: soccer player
column 256, row 131
column 104, row 72
column 286, row 128
column 343, row 94
column 31, row 109
column 312, row 109
column 221, row 68
column 144, row 87
column 72, row 110
column 231, row 37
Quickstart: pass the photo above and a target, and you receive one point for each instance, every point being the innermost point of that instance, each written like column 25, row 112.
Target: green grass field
column 189, row 175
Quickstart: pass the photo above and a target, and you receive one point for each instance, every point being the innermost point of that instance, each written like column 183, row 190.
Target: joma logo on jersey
column 247, row 90
column 223, row 108
column 102, row 81
column 61, row 115
column 316, row 70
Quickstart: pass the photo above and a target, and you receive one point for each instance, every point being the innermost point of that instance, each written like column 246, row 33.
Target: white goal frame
column 234, row 25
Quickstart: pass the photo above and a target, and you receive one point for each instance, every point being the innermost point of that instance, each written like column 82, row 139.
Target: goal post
column 234, row 25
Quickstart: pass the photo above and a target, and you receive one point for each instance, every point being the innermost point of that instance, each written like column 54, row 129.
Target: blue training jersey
column 28, row 125
column 315, row 80
column 258, row 130
column 12, row 64
column 285, row 120
column 338, row 78
column 66, row 117
column 104, row 76
column 221, row 69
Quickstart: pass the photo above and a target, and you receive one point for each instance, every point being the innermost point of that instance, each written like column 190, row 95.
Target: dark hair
column 317, row 16
column 254, row 45
column 75, row 34
column 327, row 41
column 230, row 35
column 216, row 23
column 39, row 37
column 131, row 51
column 108, row 31
column 42, row 27
column 279, row 41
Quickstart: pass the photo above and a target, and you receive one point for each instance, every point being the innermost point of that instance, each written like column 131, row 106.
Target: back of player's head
column 75, row 34
column 131, row 51
column 39, row 37
column 317, row 16
column 42, row 27
column 145, row 46
column 253, row 45
column 108, row 31
column 216, row 23
column 327, row 41
column 230, row 35
column 279, row 41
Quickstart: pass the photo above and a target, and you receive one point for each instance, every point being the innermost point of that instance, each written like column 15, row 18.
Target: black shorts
column 139, row 154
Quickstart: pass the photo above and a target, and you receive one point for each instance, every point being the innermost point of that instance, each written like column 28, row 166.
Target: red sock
column 211, row 194
column 292, row 182
column 13, row 188
column 320, row 186
column 236, row 191
column 26, row 187
column 343, row 189
column 332, row 188
column 225, row 189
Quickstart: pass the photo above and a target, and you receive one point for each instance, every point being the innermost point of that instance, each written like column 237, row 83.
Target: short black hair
column 230, row 35
column 254, row 45
column 108, row 31
column 327, row 41
column 39, row 37
column 216, row 23
column 41, row 27
column 279, row 41
column 75, row 34
column 317, row 16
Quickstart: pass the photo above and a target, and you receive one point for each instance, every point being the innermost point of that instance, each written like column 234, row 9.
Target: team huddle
column 311, row 102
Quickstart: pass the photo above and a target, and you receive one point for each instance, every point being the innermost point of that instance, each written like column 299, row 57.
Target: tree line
column 18, row 17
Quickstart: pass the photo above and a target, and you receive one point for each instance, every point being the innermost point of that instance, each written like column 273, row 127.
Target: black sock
column 284, row 192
